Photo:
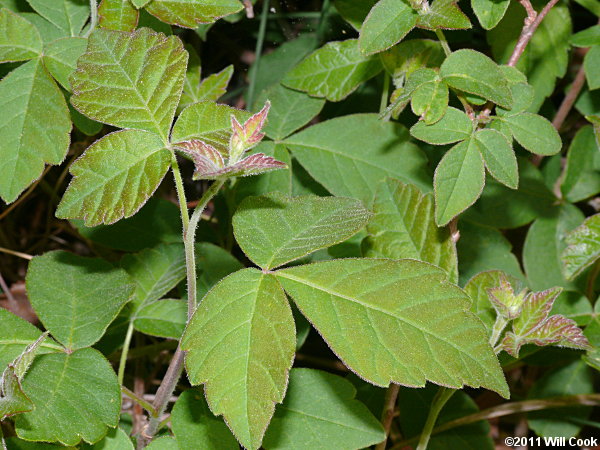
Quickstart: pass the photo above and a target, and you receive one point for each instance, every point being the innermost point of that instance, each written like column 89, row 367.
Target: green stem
column 497, row 330
column 440, row 399
column 385, row 93
column 140, row 401
column 442, row 38
column 185, row 218
column 123, row 360
column 93, row 17
column 322, row 21
column 257, row 52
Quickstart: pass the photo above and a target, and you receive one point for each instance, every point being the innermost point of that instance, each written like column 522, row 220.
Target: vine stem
column 385, row 93
column 387, row 416
column 123, row 360
column 257, row 52
column 93, row 17
column 441, row 398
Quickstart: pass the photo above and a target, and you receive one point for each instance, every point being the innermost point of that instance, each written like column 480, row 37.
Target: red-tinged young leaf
column 252, row 165
column 536, row 307
column 506, row 303
column 247, row 136
column 207, row 159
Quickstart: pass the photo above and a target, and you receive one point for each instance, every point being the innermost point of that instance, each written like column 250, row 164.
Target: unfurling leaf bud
column 247, row 136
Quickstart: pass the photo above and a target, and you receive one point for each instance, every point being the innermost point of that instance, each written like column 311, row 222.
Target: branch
column 387, row 416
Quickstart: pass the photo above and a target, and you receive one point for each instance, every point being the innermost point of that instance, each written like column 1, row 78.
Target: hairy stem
column 440, row 399
column 497, row 330
column 123, row 360
column 139, row 400
column 385, row 93
column 257, row 52
column 93, row 17
column 442, row 38
column 387, row 416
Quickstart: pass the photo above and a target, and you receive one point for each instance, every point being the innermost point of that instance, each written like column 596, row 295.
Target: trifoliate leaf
column 273, row 230
column 247, row 322
column 115, row 177
column 130, row 80
column 191, row 13
column 583, row 247
column 404, row 227
column 386, row 24
column 19, row 39
column 58, row 284
column 76, row 396
column 368, row 310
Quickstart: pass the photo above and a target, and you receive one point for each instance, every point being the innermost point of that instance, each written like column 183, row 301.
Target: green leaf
column 130, row 80
column 273, row 230
column 499, row 157
column 544, row 245
column 118, row 15
column 410, row 55
column 115, row 177
column 370, row 151
column 47, row 30
column 13, row 400
column 367, row 308
column 154, row 271
column 430, row 101
column 582, row 178
column 587, row 38
column 290, row 110
column 213, row 263
column 19, row 39
column 138, row 4
column 320, row 411
column 158, row 221
column 458, row 181
column 77, row 396
column 403, row 228
column 333, row 71
column 163, row 318
column 67, row 15
column 215, row 85
column 30, row 98
column 195, row 426
column 246, row 321
column 386, row 24
column 591, row 64
column 208, row 122
column 116, row 439
column 164, row 443
column 354, row 12
column 455, row 126
column 535, row 133
column 60, row 58
column 489, row 12
column 473, row 72
column 443, row 14
column 482, row 248
column 58, row 285
column 572, row 379
column 16, row 334
column 583, row 247
column 191, row 13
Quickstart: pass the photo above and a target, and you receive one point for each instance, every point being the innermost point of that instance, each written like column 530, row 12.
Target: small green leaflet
column 455, row 126
column 67, row 15
column 77, row 396
column 130, row 80
column 19, row 39
column 115, row 177
column 191, row 13
column 320, row 411
column 499, row 156
column 582, row 173
column 367, row 310
column 209, row 89
column 443, row 14
column 430, row 101
column 404, row 227
column 583, row 248
column 333, row 71
column 591, row 64
column 58, row 284
column 163, row 318
column 118, row 15
column 274, row 230
column 246, row 321
column 116, row 439
column 387, row 24
column 489, row 12
column 60, row 58
column 535, row 133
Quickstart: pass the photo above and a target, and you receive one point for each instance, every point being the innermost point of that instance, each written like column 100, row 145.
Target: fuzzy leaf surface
column 387, row 24
column 60, row 58
column 473, row 72
column 67, row 15
column 455, row 126
column 115, row 177
column 403, row 227
column 19, row 39
column 498, row 156
column 77, row 396
column 458, row 181
column 443, row 14
column 333, row 71
column 163, row 318
column 273, row 230
column 130, row 80
column 195, row 426
column 535, row 133
column 118, row 15
column 489, row 12
column 34, row 127
column 370, row 151
column 246, row 321
column 369, row 310
column 583, row 247
column 191, row 13
column 320, row 411
column 76, row 298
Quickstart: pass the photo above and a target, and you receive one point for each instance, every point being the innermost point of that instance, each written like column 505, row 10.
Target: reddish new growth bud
column 247, row 136
column 207, row 159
